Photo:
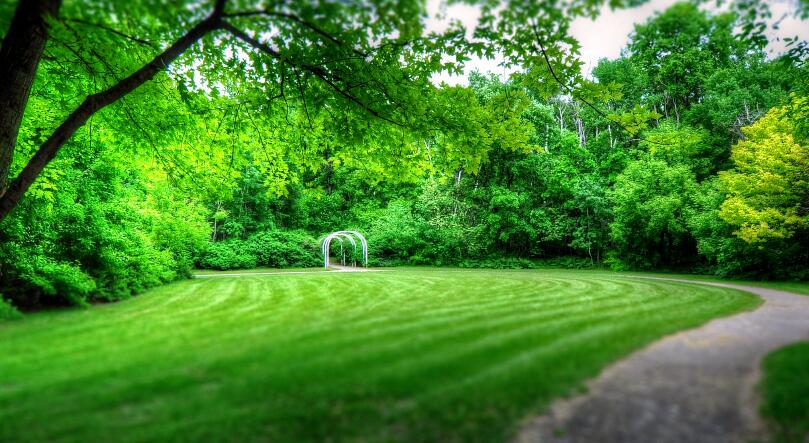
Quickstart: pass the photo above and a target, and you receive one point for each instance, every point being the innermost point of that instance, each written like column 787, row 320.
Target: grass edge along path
column 795, row 287
column 411, row 355
column 785, row 393
column 652, row 396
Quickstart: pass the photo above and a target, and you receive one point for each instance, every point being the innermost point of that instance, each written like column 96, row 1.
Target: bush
column 132, row 267
column 396, row 233
column 273, row 248
column 7, row 311
column 227, row 254
column 383, row 262
column 63, row 280
column 181, row 229
column 563, row 262
column 282, row 249
column 96, row 233
column 33, row 278
column 568, row 262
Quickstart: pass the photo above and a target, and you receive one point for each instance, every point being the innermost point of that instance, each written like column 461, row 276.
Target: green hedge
column 274, row 249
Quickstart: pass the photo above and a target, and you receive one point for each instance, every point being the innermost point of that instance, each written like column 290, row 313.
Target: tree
column 679, row 49
column 738, row 96
column 362, row 67
column 650, row 200
column 98, row 225
column 768, row 189
column 365, row 60
column 682, row 145
column 20, row 55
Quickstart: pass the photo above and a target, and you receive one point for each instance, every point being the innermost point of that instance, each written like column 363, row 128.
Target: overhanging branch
column 110, row 30
column 315, row 70
column 95, row 102
column 305, row 23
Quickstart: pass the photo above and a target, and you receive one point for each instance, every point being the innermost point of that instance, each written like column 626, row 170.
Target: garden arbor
column 341, row 237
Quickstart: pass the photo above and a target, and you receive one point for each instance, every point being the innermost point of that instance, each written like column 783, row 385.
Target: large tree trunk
column 20, row 53
column 93, row 103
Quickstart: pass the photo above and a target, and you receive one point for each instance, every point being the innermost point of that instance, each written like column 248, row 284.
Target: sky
column 603, row 37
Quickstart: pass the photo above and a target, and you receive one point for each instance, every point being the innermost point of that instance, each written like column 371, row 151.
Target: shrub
column 281, row 249
column 34, row 276
column 396, row 233
column 63, row 279
column 383, row 262
column 97, row 233
column 181, row 229
column 273, row 248
column 132, row 267
column 568, row 262
column 564, row 262
column 227, row 254
column 7, row 311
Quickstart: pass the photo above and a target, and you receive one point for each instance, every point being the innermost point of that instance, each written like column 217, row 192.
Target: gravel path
column 694, row 386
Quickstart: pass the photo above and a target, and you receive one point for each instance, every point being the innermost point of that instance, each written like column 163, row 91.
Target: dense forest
column 690, row 152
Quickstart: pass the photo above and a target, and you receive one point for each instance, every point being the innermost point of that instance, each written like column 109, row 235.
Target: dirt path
column 695, row 386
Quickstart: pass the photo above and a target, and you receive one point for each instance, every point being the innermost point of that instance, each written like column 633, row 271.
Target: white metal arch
column 351, row 236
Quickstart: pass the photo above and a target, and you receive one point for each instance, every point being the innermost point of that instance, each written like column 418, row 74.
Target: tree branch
column 95, row 102
column 315, row 70
column 311, row 26
column 111, row 30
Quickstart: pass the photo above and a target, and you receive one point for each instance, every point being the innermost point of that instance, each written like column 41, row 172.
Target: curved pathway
column 694, row 386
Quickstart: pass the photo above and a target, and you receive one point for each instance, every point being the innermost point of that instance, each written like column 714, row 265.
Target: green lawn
column 785, row 389
column 260, row 271
column 406, row 355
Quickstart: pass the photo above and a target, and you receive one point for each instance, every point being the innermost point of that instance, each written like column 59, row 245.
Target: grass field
column 406, row 355
column 785, row 389
column 204, row 272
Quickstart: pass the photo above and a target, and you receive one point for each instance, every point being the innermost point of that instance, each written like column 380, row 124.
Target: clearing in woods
column 405, row 355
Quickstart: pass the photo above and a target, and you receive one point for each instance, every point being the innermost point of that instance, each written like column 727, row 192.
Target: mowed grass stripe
column 481, row 349
column 442, row 335
column 442, row 343
column 235, row 299
column 408, row 355
column 551, row 306
column 451, row 332
column 437, row 317
column 576, row 334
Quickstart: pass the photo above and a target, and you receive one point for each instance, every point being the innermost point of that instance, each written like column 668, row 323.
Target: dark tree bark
column 19, row 58
column 93, row 103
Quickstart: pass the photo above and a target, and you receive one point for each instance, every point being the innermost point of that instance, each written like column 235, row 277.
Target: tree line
column 712, row 179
